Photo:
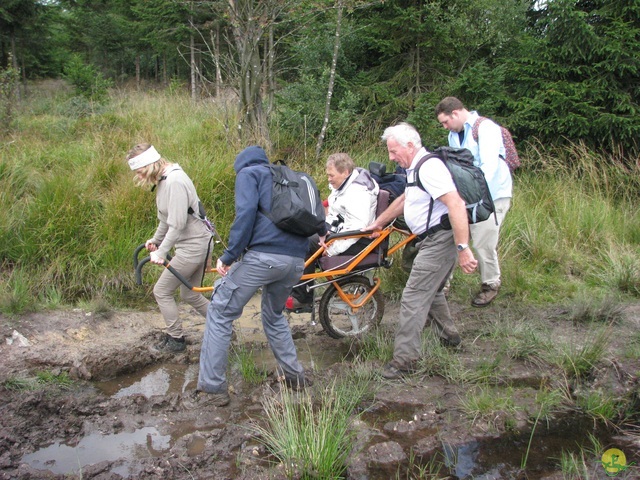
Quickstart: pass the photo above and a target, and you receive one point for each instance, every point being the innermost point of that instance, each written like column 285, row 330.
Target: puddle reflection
column 167, row 378
column 61, row 458
column 159, row 379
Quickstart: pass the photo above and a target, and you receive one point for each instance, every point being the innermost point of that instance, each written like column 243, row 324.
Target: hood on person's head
column 253, row 155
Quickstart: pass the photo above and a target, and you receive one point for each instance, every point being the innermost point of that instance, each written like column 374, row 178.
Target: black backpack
column 296, row 206
column 469, row 181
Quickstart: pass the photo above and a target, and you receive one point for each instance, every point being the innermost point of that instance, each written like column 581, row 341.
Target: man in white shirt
column 439, row 248
column 488, row 150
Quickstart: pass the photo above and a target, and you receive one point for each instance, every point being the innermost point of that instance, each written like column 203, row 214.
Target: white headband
column 149, row 156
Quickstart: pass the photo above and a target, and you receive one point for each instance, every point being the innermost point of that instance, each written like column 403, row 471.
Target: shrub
column 87, row 80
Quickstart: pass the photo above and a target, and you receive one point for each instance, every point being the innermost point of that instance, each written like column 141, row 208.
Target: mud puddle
column 120, row 448
column 125, row 415
column 505, row 456
column 124, row 450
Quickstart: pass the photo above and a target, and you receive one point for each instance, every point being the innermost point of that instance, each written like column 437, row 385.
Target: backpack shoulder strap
column 416, row 177
column 280, row 176
column 417, row 183
column 476, row 127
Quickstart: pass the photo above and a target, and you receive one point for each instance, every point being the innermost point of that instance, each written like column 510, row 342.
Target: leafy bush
column 87, row 80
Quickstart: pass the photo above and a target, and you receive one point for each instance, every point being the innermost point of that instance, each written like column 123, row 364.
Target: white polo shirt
column 436, row 179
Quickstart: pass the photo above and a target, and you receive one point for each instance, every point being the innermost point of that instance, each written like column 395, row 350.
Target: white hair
column 403, row 133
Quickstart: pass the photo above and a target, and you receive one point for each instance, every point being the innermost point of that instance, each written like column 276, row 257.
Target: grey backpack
column 296, row 206
column 469, row 181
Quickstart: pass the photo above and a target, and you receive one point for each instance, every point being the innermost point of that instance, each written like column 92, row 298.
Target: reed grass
column 483, row 402
column 312, row 438
column 375, row 345
column 42, row 379
column 578, row 357
column 599, row 405
column 249, row 369
column 518, row 339
column 583, row 464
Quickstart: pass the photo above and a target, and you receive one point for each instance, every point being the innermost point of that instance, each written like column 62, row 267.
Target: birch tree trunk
column 270, row 73
column 192, row 48
column 215, row 42
column 332, row 76
column 14, row 64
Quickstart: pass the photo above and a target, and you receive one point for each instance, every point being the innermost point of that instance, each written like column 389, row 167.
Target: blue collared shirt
column 487, row 152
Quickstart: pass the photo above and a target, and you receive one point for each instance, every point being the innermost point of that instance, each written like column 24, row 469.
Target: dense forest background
column 553, row 71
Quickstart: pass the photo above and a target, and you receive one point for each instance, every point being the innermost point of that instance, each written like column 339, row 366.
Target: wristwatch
column 462, row 246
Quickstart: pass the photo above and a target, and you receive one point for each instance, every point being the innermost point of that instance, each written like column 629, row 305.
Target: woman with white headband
column 177, row 229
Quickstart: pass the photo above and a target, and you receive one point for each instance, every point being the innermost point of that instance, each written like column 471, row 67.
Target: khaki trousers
column 423, row 298
column 165, row 288
column 484, row 238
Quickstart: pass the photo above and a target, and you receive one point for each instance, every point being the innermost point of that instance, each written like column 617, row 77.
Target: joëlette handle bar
column 382, row 235
column 138, row 264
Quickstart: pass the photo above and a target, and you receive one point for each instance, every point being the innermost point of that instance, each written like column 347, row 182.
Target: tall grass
column 572, row 213
column 313, row 438
column 70, row 215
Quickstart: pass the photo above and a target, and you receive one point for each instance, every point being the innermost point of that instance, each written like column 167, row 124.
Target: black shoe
column 297, row 383
column 452, row 341
column 171, row 344
column 293, row 305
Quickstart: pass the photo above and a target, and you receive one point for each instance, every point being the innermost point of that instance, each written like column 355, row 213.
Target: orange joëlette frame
column 333, row 275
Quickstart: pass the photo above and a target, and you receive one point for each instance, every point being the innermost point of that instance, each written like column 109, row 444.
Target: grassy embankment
column 70, row 215
column 70, row 218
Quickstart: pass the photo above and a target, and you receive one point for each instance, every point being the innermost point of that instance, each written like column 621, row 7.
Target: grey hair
column 403, row 133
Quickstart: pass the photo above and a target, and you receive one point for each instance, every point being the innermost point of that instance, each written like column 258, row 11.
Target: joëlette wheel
column 337, row 317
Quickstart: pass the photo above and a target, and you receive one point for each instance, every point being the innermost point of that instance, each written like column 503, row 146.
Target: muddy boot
column 452, row 340
column 486, row 295
column 394, row 370
column 202, row 400
column 171, row 344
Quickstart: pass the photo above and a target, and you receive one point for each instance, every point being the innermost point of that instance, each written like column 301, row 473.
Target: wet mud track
column 125, row 415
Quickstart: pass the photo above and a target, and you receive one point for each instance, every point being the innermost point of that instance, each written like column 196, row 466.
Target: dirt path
column 124, row 417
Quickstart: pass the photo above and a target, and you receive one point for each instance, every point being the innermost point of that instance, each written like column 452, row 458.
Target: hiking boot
column 201, row 400
column 297, row 383
column 452, row 340
column 393, row 370
column 295, row 306
column 485, row 296
column 171, row 344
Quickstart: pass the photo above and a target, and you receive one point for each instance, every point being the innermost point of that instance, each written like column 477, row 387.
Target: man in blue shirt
column 489, row 153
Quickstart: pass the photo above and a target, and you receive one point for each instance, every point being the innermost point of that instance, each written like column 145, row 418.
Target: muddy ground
column 124, row 415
